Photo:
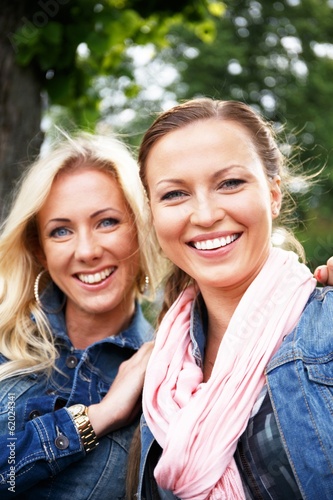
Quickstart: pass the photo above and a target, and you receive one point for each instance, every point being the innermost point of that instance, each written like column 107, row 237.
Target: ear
column 276, row 196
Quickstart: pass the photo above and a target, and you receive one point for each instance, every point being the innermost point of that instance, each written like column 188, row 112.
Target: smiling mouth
column 96, row 277
column 214, row 243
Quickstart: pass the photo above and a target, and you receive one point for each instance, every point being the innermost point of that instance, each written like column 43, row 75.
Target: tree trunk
column 20, row 104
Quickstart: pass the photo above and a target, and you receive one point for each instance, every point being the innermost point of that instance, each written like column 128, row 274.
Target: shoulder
column 321, row 295
column 314, row 332
column 318, row 313
column 312, row 338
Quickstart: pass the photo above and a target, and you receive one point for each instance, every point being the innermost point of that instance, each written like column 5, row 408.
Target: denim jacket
column 300, row 384
column 36, row 461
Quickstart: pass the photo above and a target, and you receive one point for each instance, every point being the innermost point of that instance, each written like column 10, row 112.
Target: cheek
column 132, row 258
column 167, row 224
column 125, row 244
column 47, row 255
column 57, row 258
column 126, row 250
column 252, row 210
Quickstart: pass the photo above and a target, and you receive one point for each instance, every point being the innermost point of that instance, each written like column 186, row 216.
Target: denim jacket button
column 61, row 442
column 34, row 414
column 71, row 362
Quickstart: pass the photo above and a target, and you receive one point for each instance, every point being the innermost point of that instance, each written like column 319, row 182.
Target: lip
column 96, row 277
column 213, row 241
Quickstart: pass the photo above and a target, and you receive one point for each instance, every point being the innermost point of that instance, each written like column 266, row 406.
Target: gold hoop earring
column 143, row 283
column 37, row 298
column 36, row 288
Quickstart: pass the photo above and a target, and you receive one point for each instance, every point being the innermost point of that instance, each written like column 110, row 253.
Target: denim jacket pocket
column 321, row 373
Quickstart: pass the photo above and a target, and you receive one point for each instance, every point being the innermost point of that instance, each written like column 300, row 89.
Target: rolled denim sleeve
column 46, row 446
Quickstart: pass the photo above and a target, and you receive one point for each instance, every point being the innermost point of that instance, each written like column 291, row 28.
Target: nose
column 206, row 211
column 88, row 247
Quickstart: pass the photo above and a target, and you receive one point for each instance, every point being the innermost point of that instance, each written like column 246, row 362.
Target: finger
column 329, row 280
column 321, row 274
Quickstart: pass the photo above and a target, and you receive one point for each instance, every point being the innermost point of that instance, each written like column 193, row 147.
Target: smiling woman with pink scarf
column 238, row 396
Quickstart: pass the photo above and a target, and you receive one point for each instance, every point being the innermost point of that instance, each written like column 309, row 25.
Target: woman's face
column 212, row 203
column 89, row 242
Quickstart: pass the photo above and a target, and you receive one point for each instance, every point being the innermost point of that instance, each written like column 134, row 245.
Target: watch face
column 76, row 410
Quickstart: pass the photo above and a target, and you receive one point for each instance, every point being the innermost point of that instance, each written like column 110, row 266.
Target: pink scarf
column 198, row 424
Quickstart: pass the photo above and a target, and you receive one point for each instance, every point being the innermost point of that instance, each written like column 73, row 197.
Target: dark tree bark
column 20, row 103
column 21, row 87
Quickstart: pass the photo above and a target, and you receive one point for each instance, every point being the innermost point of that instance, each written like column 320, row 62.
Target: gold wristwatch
column 79, row 414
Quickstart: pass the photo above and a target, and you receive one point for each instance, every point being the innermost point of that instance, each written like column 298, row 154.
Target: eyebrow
column 103, row 210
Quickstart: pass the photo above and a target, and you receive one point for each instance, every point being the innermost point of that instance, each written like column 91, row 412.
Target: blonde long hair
column 27, row 343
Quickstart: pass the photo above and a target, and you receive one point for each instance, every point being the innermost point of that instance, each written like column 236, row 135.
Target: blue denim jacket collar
column 308, row 340
column 132, row 337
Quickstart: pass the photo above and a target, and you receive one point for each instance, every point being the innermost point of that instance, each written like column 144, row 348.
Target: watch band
column 79, row 413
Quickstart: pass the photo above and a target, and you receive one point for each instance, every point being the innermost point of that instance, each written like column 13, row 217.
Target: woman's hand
column 324, row 274
column 123, row 401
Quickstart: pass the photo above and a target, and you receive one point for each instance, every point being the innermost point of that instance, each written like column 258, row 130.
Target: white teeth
column 215, row 243
column 97, row 277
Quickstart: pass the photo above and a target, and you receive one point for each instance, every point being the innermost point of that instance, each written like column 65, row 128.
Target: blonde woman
column 75, row 260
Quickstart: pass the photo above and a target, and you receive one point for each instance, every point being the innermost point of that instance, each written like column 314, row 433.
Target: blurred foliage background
column 113, row 64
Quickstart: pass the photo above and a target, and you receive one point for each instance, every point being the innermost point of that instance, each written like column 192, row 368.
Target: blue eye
column 59, row 232
column 110, row 222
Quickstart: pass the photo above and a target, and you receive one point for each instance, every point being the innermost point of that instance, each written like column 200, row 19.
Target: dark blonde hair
column 265, row 142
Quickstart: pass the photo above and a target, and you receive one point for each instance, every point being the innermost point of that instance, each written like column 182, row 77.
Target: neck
column 220, row 308
column 221, row 304
column 84, row 329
